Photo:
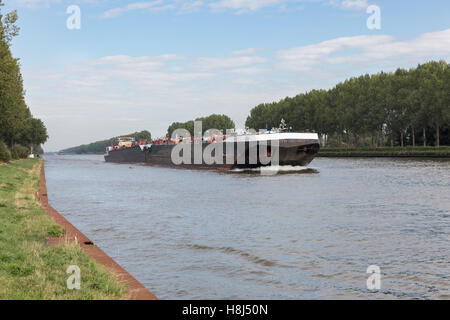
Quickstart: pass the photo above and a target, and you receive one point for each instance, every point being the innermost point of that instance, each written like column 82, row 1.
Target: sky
column 141, row 65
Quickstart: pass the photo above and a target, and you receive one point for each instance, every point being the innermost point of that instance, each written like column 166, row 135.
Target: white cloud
column 355, row 4
column 249, row 71
column 244, row 5
column 36, row 4
column 114, row 95
column 149, row 6
column 206, row 63
column 365, row 49
column 179, row 6
column 32, row 4
column 191, row 6
column 130, row 93
column 358, row 5
column 139, row 73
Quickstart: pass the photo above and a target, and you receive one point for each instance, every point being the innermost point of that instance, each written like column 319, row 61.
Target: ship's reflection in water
column 310, row 233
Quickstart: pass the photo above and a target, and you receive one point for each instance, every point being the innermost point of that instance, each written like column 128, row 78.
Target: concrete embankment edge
column 136, row 291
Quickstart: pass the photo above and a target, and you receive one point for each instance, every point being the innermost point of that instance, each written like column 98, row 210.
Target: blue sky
column 137, row 65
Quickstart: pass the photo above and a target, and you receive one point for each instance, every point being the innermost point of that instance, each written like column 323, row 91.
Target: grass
column 388, row 151
column 29, row 267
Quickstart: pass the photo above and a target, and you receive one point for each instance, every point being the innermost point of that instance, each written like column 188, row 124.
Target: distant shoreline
column 386, row 152
column 362, row 155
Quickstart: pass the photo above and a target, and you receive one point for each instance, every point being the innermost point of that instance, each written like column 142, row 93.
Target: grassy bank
column 29, row 267
column 441, row 152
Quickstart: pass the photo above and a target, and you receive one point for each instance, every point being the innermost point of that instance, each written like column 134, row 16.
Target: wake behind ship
column 226, row 152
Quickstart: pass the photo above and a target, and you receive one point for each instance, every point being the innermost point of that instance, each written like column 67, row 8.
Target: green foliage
column 380, row 109
column 8, row 27
column 100, row 146
column 5, row 155
column 55, row 231
column 14, row 155
column 38, row 149
column 20, row 151
column 35, row 132
column 188, row 125
column 31, row 268
column 17, row 124
column 214, row 121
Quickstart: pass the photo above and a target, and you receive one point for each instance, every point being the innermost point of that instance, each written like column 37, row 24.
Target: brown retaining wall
column 136, row 291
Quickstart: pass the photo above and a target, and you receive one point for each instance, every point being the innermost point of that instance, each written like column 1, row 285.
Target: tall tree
column 16, row 121
column 432, row 89
column 13, row 111
column 36, row 133
column 392, row 105
column 214, row 121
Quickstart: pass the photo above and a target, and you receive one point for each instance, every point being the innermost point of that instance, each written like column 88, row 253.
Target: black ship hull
column 292, row 152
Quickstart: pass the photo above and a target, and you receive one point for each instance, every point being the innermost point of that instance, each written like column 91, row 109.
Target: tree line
column 384, row 109
column 100, row 146
column 215, row 121
column 20, row 132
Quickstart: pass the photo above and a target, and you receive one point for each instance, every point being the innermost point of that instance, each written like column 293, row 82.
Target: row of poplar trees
column 214, row 121
column 405, row 107
column 19, row 130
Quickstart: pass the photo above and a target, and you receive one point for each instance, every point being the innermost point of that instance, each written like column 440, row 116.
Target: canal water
column 304, row 234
